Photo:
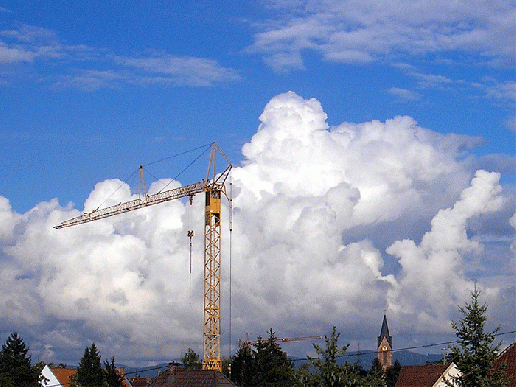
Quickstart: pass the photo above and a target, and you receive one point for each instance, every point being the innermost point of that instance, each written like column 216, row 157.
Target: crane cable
column 206, row 147
column 230, row 252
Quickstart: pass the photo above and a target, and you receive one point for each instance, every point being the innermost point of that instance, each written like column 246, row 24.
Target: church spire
column 384, row 346
column 384, row 333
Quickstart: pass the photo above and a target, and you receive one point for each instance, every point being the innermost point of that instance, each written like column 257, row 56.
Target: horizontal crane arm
column 160, row 197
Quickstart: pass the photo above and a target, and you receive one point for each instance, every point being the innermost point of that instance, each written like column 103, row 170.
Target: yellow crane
column 213, row 187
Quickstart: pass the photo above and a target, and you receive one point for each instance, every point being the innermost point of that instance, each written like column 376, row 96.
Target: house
column 60, row 377
column 177, row 376
column 429, row 375
column 57, row 377
column 509, row 357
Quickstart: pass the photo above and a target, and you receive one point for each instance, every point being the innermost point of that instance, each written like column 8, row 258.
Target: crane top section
column 213, row 183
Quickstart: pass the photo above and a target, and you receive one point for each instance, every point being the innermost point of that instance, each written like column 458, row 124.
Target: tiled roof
column 64, row 374
column 175, row 376
column 509, row 356
column 139, row 381
column 420, row 376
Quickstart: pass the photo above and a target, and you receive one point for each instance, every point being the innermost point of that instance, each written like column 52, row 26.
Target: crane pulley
column 213, row 187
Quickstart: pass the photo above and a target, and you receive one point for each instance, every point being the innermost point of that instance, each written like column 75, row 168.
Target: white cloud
column 362, row 31
column 89, row 69
column 434, row 279
column 404, row 94
column 315, row 208
column 182, row 70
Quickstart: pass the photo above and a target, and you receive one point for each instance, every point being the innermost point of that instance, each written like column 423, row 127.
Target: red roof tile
column 509, row 356
column 420, row 376
column 176, row 376
column 63, row 375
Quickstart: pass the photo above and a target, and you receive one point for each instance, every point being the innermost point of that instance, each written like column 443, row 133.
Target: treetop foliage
column 15, row 364
column 475, row 353
column 191, row 360
column 91, row 374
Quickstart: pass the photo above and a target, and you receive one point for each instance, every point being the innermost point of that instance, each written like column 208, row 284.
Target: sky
column 373, row 149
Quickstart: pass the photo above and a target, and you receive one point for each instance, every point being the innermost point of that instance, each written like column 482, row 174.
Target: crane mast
column 214, row 187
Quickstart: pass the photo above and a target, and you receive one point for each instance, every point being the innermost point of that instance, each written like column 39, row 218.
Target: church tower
column 385, row 346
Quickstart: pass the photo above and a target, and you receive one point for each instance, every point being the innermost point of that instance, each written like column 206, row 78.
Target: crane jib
column 160, row 197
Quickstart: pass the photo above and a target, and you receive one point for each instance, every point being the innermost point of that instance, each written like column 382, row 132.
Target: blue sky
column 78, row 78
column 90, row 90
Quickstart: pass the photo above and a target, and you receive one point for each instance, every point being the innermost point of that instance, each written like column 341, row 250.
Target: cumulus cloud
column 332, row 226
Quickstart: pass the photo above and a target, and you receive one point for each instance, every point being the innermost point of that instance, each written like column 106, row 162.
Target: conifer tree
column 272, row 365
column 90, row 372
column 242, row 366
column 191, row 360
column 475, row 353
column 112, row 378
column 15, row 364
column 332, row 374
column 264, row 365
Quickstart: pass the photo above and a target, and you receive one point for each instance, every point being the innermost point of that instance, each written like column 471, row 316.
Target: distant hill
column 365, row 360
column 144, row 372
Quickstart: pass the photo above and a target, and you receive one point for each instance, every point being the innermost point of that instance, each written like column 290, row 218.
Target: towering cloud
column 332, row 226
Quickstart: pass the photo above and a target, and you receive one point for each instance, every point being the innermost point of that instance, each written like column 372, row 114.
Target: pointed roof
column 423, row 375
column 385, row 328
column 384, row 333
column 63, row 374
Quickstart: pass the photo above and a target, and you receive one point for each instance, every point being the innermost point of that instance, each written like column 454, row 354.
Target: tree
column 475, row 353
column 272, row 365
column 392, row 374
column 15, row 364
column 331, row 374
column 304, row 378
column 112, row 377
column 191, row 360
column 264, row 365
column 90, row 372
column 242, row 366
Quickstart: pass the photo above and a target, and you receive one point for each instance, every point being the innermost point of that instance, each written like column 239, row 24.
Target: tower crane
column 213, row 187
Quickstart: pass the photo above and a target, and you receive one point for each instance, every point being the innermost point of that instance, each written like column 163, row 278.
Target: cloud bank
column 332, row 226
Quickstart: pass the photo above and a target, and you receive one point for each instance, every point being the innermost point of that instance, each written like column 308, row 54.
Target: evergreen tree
column 304, row 378
column 264, row 365
column 475, row 354
column 90, row 372
column 15, row 364
column 331, row 374
column 191, row 360
column 242, row 366
column 329, row 371
column 391, row 376
column 272, row 365
column 112, row 378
